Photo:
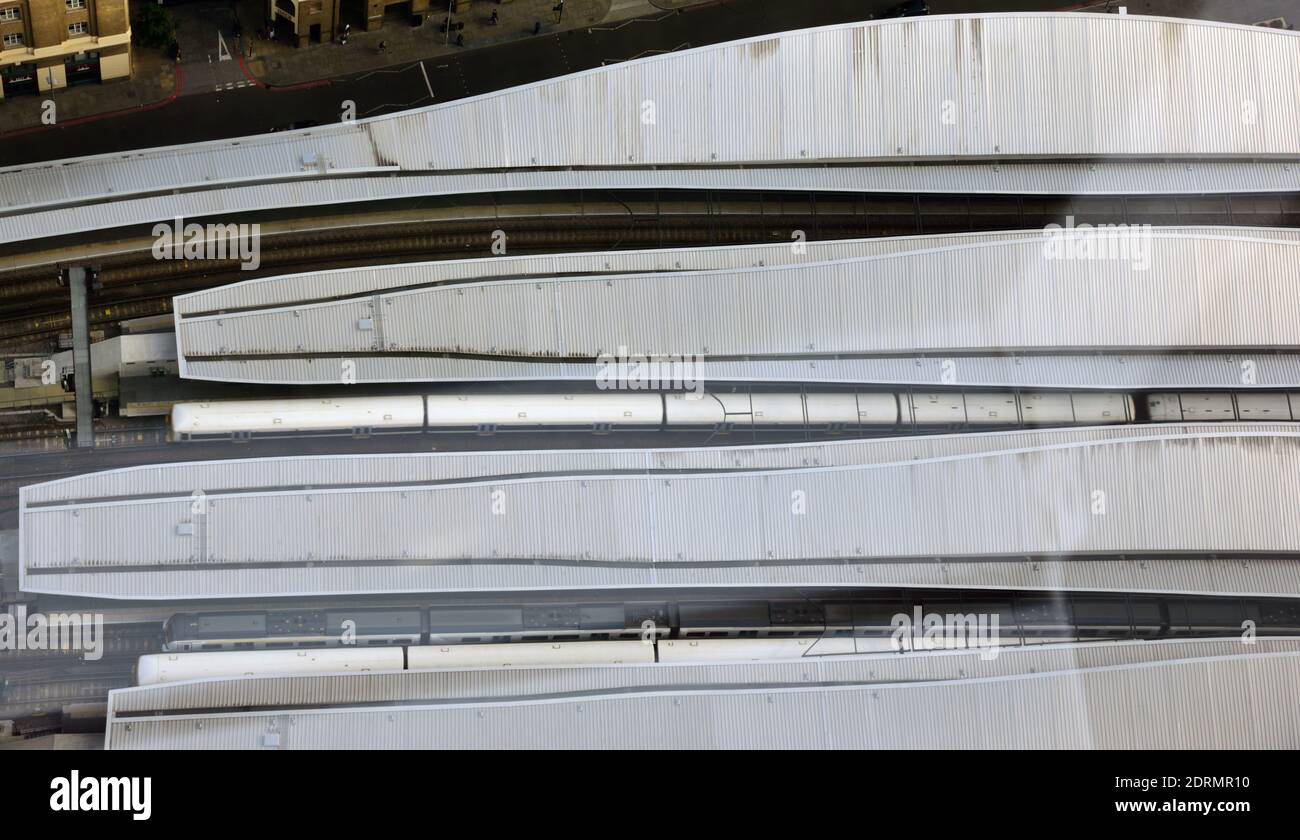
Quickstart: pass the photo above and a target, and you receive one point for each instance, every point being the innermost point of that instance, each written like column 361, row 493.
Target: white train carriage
column 992, row 409
column 1050, row 409
column 1096, row 408
column 175, row 667
column 1264, row 407
column 298, row 415
column 1215, row 407
column 780, row 409
column 706, row 410
column 935, row 409
column 432, row 657
column 752, row 650
column 1222, row 406
column 500, row 411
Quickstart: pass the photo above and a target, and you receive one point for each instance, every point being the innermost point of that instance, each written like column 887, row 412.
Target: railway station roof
column 1101, row 178
column 935, row 89
column 990, row 510
column 1095, row 695
column 828, row 311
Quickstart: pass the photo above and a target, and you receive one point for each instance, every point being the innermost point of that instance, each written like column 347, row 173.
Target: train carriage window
column 234, row 625
column 797, row 613
column 601, row 617
column 374, row 622
column 476, row 619
column 701, row 615
column 559, row 617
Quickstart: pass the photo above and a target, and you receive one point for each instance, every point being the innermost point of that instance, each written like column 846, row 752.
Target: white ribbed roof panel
column 345, row 147
column 514, row 682
column 939, row 87
column 1154, row 291
column 286, row 289
column 1154, row 371
column 626, row 529
column 1210, row 698
column 428, row 467
column 1101, row 178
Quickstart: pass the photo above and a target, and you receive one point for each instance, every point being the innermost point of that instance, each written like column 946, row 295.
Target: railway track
column 34, row 305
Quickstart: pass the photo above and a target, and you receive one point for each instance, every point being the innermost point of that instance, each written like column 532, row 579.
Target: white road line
column 427, row 86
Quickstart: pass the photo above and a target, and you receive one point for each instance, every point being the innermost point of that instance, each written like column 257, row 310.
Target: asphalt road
column 251, row 110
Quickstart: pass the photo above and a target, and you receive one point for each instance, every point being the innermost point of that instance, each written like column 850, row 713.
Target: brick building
column 319, row 21
column 48, row 44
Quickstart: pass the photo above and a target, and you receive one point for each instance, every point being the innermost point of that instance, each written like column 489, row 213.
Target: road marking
column 427, row 86
column 630, row 22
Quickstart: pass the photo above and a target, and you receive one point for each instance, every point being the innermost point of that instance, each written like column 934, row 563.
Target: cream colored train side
column 160, row 668
column 611, row 410
column 1222, row 406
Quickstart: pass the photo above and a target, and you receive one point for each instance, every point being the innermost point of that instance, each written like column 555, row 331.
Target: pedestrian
column 460, row 40
column 537, row 27
column 493, row 20
column 383, row 46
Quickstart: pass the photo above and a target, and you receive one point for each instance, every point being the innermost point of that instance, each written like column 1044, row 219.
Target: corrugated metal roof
column 182, row 478
column 1100, row 178
column 520, row 681
column 295, row 155
column 285, row 289
column 940, row 87
column 1131, row 289
column 1110, row 371
column 1099, row 698
column 639, row 528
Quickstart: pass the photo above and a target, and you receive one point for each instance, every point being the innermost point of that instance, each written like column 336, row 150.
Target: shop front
column 82, row 68
column 19, row 79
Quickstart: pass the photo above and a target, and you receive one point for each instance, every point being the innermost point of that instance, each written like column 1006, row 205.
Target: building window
column 74, row 4
column 11, row 13
column 14, row 40
column 78, row 28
